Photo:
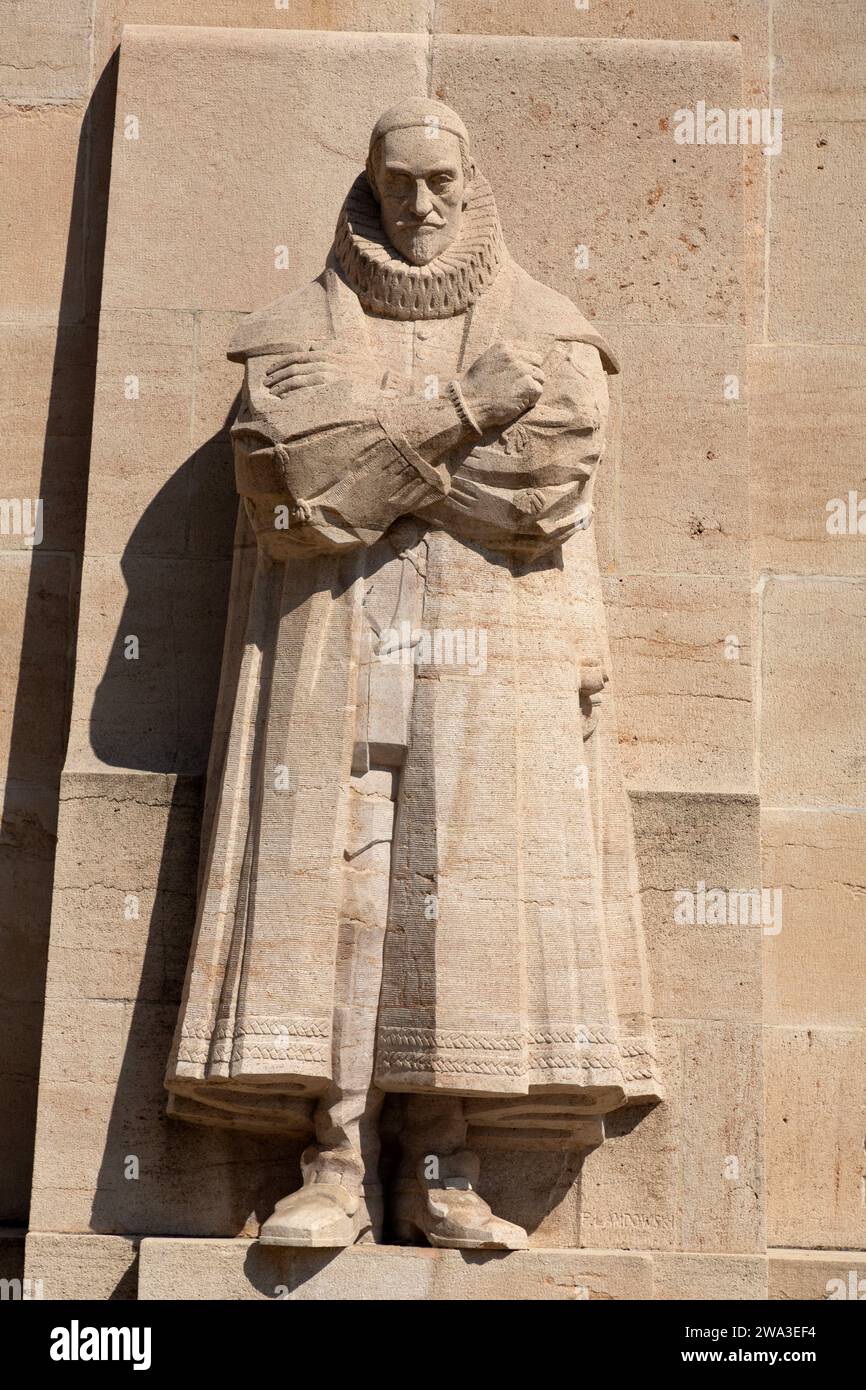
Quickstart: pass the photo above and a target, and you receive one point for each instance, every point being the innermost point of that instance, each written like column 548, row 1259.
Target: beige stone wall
column 803, row 312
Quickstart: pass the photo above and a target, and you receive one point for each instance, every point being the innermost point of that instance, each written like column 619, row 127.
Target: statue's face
column 420, row 184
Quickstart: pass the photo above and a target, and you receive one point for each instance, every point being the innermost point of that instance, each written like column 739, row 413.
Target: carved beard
column 387, row 284
column 422, row 240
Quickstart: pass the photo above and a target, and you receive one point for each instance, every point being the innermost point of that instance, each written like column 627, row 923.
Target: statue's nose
column 421, row 202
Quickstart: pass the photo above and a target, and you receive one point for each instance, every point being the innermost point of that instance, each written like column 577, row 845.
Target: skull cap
column 418, row 111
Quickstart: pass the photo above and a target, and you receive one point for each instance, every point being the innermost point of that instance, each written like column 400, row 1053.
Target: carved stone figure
column 418, row 874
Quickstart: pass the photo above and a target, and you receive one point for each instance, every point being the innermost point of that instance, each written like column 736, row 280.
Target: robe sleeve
column 530, row 488
column 331, row 467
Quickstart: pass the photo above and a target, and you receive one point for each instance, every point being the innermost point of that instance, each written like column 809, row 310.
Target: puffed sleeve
column 331, row 467
column 530, row 488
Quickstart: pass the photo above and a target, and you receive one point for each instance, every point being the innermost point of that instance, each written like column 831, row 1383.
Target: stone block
column 687, row 1175
column 46, row 381
column 818, row 72
column 122, row 910
column 38, row 150
column 46, row 51
column 813, row 658
column 142, row 434
column 82, row 1268
column 107, row 1158
column 816, row 1119
column 701, row 969
column 722, row 1188
column 743, row 23
column 162, row 478
column 815, row 966
column 383, row 16
column 816, row 1275
column 685, row 712
column 238, row 1270
column 683, row 498
column 35, row 672
column 596, row 147
column 807, row 433
column 816, row 292
column 731, row 20
column 167, row 242
column 26, row 861
column 704, row 1278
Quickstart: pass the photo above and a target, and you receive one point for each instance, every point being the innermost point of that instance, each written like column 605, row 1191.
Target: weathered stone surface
column 107, row 1037
column 815, row 295
column 197, row 1269
column 743, row 23
column 45, row 377
column 812, row 659
column 188, row 1270
column 385, row 16
column 154, row 710
column 46, row 50
column 122, row 913
column 46, row 385
column 162, row 481
column 815, row 966
column 600, row 115
column 722, row 1175
column 616, row 19
column 168, row 248
column 685, row 708
column 145, row 386
column 38, row 150
column 627, row 1197
column 689, row 1277
column 81, row 1268
column 689, row 1175
column 701, row 969
column 815, row 1124
column 817, row 1274
column 683, row 503
column 807, row 435
column 818, row 71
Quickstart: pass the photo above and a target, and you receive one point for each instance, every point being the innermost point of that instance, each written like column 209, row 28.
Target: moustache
column 429, row 224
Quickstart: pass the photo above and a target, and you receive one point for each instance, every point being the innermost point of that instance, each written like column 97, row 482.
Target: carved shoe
column 448, row 1211
column 321, row 1214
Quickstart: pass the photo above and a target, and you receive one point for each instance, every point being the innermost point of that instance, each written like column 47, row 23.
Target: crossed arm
column 328, row 456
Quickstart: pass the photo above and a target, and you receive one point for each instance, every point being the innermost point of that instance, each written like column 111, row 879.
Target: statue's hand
column 319, row 367
column 504, row 382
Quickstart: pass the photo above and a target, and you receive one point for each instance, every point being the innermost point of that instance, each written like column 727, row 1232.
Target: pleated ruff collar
column 387, row 284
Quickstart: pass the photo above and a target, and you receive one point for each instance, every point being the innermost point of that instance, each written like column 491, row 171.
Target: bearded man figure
column 418, row 871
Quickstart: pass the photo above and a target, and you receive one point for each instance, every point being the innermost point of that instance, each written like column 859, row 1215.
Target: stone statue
column 418, row 873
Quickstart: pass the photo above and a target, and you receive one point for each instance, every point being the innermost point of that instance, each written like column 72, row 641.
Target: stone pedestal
column 241, row 1269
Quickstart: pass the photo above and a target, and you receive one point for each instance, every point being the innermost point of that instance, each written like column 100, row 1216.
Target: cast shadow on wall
column 153, row 714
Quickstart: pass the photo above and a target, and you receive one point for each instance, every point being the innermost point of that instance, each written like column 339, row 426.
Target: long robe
column 514, row 961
